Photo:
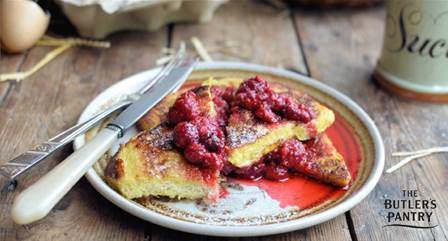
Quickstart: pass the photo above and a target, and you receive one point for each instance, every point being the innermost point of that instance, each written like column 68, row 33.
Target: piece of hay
column 200, row 49
column 228, row 48
column 18, row 76
column 412, row 155
column 429, row 150
column 50, row 41
column 62, row 46
column 163, row 60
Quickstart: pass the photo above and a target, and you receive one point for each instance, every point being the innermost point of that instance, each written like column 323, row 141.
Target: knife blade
column 133, row 113
column 48, row 190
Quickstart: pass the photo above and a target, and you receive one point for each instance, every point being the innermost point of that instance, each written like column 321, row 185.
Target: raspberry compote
column 201, row 136
column 256, row 95
column 290, row 157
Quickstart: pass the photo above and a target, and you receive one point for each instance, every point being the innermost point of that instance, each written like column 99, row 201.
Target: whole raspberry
column 186, row 108
column 291, row 153
column 185, row 133
column 215, row 140
column 295, row 111
column 278, row 102
column 247, row 100
column 228, row 94
column 195, row 153
column 253, row 91
column 265, row 113
column 210, row 133
column 213, row 161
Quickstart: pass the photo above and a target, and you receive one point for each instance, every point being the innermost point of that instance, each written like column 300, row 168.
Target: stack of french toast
column 194, row 139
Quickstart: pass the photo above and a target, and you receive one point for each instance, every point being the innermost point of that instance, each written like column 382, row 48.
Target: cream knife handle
column 36, row 201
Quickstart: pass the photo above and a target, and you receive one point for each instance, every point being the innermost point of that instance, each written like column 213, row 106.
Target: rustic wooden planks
column 51, row 101
column 341, row 48
column 9, row 64
column 56, row 95
column 334, row 230
column 264, row 35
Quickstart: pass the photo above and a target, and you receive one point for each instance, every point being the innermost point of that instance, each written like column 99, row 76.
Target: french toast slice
column 316, row 158
column 249, row 138
column 150, row 165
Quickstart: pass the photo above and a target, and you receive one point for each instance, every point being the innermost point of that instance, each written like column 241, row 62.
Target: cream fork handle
column 36, row 201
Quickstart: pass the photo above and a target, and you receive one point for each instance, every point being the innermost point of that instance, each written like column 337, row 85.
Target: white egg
column 22, row 24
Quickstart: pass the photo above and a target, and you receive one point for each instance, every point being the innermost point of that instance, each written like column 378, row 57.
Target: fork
column 20, row 164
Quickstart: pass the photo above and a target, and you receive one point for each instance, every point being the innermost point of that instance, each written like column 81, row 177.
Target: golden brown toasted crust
column 328, row 165
column 158, row 114
column 151, row 143
column 149, row 165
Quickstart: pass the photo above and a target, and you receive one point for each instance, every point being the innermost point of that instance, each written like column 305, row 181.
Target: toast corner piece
column 148, row 165
column 329, row 166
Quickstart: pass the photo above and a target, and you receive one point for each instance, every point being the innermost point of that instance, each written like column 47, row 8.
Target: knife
column 12, row 169
column 22, row 163
column 36, row 201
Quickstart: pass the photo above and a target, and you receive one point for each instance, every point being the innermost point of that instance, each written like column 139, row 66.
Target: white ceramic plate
column 249, row 210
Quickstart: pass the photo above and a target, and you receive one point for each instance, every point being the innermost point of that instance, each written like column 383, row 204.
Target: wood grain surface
column 342, row 48
column 338, row 47
column 263, row 35
column 49, row 102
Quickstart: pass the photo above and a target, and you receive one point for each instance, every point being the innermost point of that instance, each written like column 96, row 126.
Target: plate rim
column 255, row 230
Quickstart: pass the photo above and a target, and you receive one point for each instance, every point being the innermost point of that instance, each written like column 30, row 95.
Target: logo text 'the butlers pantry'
column 410, row 211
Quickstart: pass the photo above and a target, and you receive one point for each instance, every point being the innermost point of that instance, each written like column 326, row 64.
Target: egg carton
column 99, row 18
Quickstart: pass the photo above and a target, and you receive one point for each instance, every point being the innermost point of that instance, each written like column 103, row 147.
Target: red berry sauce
column 222, row 97
column 200, row 135
column 256, row 95
column 288, row 158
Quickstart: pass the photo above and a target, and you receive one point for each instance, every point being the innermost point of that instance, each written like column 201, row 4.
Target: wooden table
column 337, row 47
